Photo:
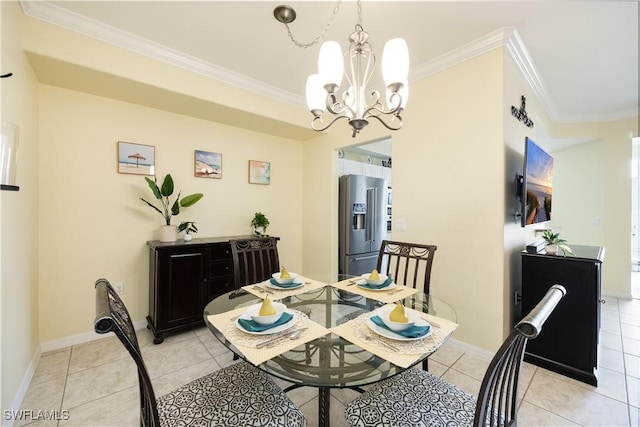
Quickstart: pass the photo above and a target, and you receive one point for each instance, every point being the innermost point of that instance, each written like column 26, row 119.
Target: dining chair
column 418, row 398
column 409, row 264
column 254, row 260
column 237, row 395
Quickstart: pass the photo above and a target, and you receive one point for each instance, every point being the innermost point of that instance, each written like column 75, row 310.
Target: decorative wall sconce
column 8, row 152
column 521, row 114
column 9, row 156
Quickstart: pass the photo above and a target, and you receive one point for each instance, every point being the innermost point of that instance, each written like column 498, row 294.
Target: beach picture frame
column 208, row 164
column 136, row 159
column 259, row 172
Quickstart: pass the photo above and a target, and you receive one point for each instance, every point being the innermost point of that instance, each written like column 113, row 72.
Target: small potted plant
column 188, row 227
column 259, row 224
column 168, row 232
column 554, row 242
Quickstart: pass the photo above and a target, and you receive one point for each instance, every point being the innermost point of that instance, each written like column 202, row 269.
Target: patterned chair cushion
column 238, row 395
column 412, row 398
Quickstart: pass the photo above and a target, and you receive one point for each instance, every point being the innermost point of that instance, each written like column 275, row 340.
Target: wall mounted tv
column 537, row 184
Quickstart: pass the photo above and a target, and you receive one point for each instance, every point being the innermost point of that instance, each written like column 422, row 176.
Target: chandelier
column 356, row 102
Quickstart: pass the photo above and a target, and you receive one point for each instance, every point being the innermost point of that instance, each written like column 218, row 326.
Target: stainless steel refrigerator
column 362, row 221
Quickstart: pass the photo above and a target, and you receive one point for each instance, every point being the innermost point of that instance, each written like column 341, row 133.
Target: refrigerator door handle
column 365, row 257
column 372, row 215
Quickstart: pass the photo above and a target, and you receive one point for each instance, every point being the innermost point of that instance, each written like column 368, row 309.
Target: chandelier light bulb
column 316, row 95
column 395, row 61
column 331, row 65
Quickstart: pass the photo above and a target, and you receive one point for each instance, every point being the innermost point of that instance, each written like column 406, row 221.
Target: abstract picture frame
column 259, row 172
column 136, row 159
column 207, row 164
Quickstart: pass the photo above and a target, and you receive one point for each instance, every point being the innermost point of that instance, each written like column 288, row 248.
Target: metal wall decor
column 521, row 114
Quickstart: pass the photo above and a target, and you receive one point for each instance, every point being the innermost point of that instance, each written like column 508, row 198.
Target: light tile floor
column 96, row 381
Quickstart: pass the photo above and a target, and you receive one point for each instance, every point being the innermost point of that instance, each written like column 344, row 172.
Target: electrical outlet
column 119, row 288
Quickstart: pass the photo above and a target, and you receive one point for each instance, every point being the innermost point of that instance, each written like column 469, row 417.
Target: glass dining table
column 329, row 361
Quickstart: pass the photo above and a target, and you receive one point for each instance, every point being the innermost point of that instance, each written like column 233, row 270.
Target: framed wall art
column 259, row 172
column 137, row 159
column 208, row 165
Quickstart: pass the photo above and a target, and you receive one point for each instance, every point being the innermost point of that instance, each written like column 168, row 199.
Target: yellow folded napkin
column 400, row 353
column 383, row 296
column 246, row 343
column 262, row 289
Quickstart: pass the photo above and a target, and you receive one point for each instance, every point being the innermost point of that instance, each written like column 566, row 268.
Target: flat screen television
column 537, row 188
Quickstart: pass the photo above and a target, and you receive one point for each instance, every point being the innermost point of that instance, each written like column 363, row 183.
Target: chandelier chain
column 321, row 36
column 360, row 13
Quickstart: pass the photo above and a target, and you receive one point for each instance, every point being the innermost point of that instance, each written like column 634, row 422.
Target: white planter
column 188, row 237
column 168, row 233
column 258, row 231
column 551, row 249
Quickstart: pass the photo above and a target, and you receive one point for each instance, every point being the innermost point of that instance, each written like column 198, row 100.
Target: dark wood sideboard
column 568, row 343
column 183, row 278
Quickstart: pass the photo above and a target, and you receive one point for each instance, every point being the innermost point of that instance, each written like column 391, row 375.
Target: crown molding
column 507, row 37
column 49, row 12
column 518, row 51
column 461, row 54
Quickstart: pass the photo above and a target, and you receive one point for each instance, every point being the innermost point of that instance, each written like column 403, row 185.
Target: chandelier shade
column 316, row 95
column 331, row 64
column 395, row 61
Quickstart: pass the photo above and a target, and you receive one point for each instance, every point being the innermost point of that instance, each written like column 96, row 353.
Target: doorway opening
column 635, row 219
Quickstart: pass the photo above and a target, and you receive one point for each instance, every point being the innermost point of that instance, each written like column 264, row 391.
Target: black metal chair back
column 409, row 264
column 498, row 396
column 411, row 394
column 254, row 260
column 113, row 316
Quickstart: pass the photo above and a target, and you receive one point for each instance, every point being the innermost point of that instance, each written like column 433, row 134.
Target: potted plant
column 188, row 227
column 259, row 224
column 554, row 242
column 168, row 232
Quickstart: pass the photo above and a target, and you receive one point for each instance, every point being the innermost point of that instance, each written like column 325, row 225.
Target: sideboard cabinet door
column 183, row 278
column 176, row 288
column 568, row 343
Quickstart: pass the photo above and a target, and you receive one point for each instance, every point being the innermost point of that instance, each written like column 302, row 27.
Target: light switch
column 401, row 225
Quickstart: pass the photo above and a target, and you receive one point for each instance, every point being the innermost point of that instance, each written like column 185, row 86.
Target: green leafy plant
column 552, row 238
column 260, row 220
column 163, row 193
column 188, row 227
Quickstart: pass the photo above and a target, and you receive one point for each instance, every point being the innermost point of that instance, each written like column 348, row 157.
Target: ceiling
column 581, row 56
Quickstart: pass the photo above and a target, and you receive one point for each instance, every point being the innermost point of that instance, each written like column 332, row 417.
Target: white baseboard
column 81, row 338
column 24, row 387
column 621, row 295
column 473, row 349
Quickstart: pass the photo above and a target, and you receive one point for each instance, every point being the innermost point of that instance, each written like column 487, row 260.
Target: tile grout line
column 624, row 367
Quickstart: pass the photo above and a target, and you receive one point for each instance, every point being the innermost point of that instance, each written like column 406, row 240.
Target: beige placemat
column 397, row 293
column 401, row 353
column 246, row 343
column 263, row 290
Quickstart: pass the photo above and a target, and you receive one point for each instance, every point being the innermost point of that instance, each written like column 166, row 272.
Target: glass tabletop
column 328, row 361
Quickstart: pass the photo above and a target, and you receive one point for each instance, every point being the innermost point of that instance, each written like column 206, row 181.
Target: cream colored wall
column 579, row 191
column 68, row 59
column 19, row 226
column 516, row 236
column 611, row 198
column 447, row 162
column 93, row 225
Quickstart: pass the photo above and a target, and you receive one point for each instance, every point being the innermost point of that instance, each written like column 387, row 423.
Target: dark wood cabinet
column 183, row 278
column 568, row 343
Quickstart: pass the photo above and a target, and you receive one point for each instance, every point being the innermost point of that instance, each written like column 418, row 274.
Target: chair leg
column 425, row 365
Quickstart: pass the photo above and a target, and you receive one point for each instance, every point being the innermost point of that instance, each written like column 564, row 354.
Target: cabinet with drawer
column 183, row 278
